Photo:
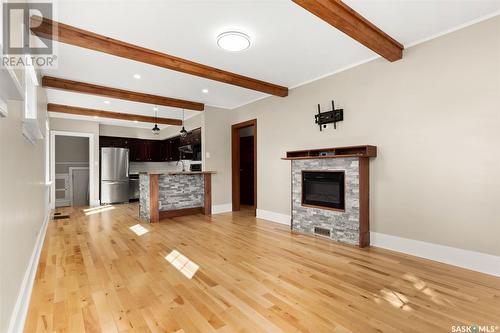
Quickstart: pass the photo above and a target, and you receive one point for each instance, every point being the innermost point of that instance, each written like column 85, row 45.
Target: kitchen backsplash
column 136, row 167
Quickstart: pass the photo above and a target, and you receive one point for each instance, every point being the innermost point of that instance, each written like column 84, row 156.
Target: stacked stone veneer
column 144, row 197
column 175, row 192
column 181, row 191
column 343, row 226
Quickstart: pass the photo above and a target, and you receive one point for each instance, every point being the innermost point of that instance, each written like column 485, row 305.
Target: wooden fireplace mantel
column 335, row 152
column 363, row 153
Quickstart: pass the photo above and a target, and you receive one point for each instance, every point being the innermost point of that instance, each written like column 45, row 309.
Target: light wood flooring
column 97, row 275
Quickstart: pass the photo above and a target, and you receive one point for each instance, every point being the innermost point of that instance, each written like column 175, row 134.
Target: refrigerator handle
column 127, row 161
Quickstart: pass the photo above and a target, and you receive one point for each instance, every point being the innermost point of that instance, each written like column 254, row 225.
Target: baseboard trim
column 20, row 311
column 476, row 261
column 224, row 208
column 273, row 217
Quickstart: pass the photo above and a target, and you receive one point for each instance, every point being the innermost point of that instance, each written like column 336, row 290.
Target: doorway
column 244, row 165
column 71, row 169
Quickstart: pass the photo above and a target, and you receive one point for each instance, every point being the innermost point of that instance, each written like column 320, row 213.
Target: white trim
column 407, row 46
column 481, row 262
column 274, row 217
column 4, row 112
column 250, row 101
column 71, row 169
column 71, row 163
column 453, row 29
column 224, row 208
column 18, row 316
column 337, row 71
column 93, row 201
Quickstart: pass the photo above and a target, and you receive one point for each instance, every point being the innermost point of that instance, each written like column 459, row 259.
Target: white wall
column 23, row 202
column 128, row 132
column 189, row 124
column 216, row 139
column 435, row 117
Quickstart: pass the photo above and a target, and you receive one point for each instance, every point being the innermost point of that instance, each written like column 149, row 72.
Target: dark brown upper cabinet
column 142, row 150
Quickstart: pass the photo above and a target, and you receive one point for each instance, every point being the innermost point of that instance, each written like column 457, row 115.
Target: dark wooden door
column 246, row 170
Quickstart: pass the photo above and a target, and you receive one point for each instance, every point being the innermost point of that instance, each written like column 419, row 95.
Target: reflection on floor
column 100, row 272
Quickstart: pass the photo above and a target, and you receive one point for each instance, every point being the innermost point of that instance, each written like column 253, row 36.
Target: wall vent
column 322, row 232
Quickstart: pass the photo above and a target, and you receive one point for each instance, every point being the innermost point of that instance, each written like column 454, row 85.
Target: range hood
column 186, row 149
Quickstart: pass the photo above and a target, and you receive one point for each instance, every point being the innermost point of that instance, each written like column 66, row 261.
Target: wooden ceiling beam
column 92, row 89
column 112, row 115
column 347, row 20
column 44, row 28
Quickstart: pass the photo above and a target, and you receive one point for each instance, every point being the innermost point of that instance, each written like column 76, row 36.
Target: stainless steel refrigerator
column 114, row 175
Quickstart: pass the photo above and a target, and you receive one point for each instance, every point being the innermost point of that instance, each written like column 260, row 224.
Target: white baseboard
column 476, row 261
column 18, row 316
column 224, row 208
column 273, row 217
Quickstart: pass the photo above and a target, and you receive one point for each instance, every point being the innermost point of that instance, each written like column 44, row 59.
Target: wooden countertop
column 172, row 173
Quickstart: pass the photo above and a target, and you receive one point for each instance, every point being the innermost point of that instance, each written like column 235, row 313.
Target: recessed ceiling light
column 233, row 41
column 107, row 102
column 135, row 121
column 137, row 76
column 155, row 108
column 205, row 91
column 96, row 117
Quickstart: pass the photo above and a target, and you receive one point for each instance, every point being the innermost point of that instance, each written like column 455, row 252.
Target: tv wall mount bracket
column 328, row 117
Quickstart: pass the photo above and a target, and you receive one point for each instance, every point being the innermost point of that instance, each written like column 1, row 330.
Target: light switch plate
column 3, row 109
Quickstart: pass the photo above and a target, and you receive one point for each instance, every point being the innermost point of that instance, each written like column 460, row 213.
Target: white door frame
column 92, row 199
column 71, row 169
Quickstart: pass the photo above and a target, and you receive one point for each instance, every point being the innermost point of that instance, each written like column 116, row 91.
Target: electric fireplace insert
column 323, row 189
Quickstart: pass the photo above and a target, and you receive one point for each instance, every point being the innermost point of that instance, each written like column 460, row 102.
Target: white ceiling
column 289, row 47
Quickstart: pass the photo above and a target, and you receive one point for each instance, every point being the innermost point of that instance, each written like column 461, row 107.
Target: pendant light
column 183, row 131
column 156, row 129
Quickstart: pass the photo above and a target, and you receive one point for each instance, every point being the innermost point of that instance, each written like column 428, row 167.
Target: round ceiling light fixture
column 233, row 41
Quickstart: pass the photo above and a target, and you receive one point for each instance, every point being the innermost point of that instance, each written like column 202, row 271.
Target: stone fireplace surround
column 343, row 225
column 351, row 225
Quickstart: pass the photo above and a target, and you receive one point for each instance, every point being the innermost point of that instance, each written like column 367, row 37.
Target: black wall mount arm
column 333, row 116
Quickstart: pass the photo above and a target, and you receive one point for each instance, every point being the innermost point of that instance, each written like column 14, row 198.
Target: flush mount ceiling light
column 205, row 91
column 107, row 102
column 137, row 76
column 233, row 41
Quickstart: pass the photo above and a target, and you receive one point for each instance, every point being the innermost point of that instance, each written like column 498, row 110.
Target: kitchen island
column 170, row 194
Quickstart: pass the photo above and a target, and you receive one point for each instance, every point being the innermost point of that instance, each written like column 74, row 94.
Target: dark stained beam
column 92, row 89
column 43, row 27
column 112, row 115
column 347, row 20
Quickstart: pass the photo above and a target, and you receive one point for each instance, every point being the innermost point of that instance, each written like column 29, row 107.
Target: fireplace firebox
column 323, row 189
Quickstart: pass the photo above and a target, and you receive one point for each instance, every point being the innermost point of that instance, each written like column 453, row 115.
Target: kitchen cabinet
column 174, row 144
column 142, row 150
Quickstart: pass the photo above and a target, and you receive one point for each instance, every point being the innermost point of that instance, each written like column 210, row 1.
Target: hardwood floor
column 97, row 275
